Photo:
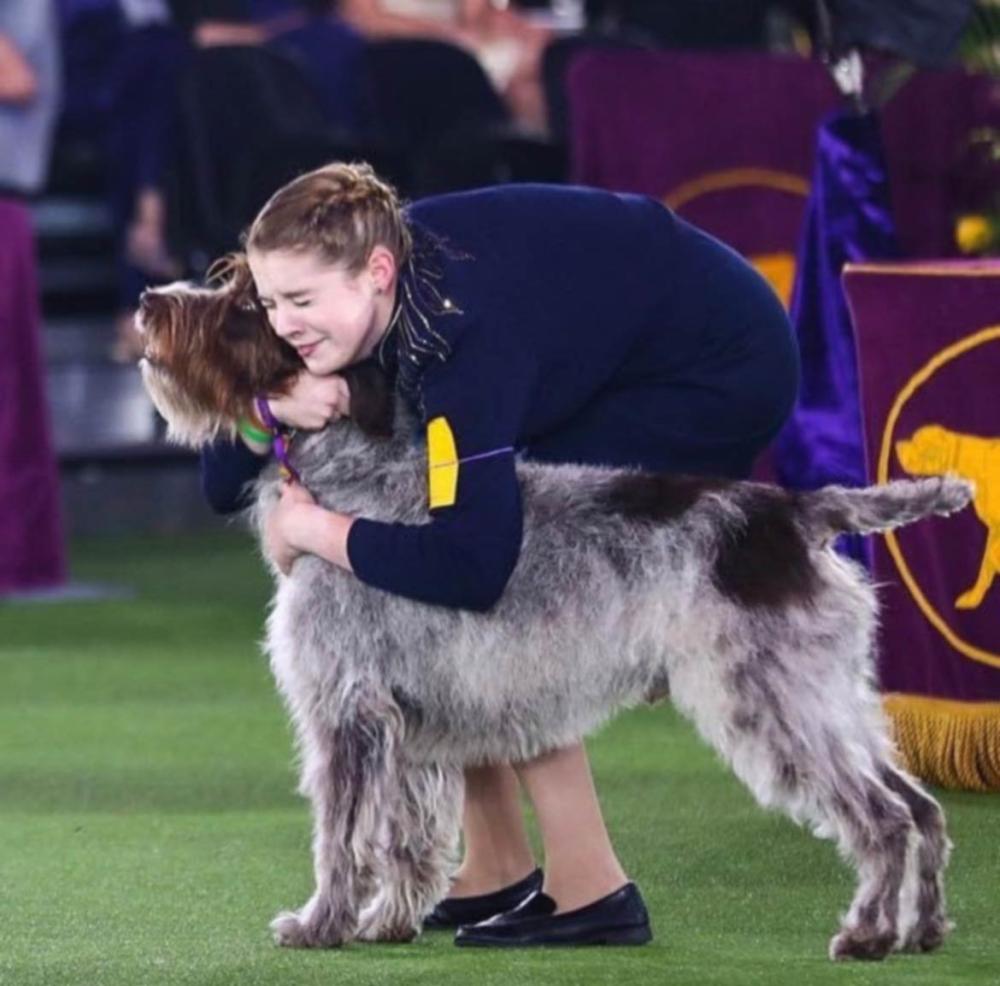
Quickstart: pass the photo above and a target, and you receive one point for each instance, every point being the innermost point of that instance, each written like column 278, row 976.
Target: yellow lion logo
column 934, row 450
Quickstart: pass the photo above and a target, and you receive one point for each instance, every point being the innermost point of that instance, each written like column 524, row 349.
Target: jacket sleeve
column 464, row 556
column 226, row 468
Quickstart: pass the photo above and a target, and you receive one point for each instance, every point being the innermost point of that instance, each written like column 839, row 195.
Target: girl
column 562, row 324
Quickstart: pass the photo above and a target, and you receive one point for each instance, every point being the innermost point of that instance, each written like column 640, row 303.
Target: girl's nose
column 285, row 323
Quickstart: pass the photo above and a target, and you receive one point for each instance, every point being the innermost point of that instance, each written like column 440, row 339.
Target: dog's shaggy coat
column 627, row 583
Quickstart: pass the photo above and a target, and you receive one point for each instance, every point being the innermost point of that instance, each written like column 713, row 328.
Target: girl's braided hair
column 341, row 211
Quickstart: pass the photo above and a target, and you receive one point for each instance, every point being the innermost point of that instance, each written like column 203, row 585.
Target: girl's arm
column 373, row 20
column 226, row 467
column 464, row 556
column 18, row 82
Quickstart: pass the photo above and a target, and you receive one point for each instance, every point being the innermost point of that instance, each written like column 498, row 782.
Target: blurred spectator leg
column 31, row 543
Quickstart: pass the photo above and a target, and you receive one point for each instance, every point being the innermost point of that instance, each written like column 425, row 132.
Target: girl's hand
column 286, row 530
column 312, row 402
column 293, row 492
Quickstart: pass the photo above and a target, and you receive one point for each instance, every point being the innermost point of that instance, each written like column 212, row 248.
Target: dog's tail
column 838, row 510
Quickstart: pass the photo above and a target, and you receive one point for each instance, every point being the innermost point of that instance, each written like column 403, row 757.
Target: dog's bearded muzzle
column 188, row 423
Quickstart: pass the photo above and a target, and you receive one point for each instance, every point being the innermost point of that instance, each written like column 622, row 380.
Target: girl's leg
column 497, row 851
column 580, row 862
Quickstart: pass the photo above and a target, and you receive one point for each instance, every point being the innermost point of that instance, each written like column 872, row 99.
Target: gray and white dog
column 729, row 592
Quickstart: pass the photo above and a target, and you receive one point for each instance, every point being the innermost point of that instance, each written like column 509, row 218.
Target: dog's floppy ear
column 371, row 398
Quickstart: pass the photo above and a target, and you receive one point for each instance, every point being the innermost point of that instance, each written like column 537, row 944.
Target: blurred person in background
column 29, row 93
column 506, row 43
column 31, row 551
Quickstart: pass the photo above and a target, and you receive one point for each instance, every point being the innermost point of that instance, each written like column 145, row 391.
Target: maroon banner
column 929, row 359
column 31, row 545
column 727, row 140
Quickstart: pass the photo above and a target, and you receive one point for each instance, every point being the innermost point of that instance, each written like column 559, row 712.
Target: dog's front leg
column 327, row 918
column 344, row 771
column 419, row 845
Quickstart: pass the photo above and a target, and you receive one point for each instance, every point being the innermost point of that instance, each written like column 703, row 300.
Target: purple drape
column 31, row 544
column 848, row 219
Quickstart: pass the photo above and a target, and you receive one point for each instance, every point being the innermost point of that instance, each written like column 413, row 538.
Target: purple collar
column 280, row 446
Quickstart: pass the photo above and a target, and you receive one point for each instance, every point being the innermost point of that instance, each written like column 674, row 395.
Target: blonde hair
column 341, row 211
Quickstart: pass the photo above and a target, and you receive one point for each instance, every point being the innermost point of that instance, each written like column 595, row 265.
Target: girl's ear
column 371, row 398
column 382, row 267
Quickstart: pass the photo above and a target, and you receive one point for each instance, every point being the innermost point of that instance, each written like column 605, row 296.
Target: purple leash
column 280, row 446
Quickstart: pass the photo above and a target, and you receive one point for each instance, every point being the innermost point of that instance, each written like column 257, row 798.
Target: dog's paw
column 376, row 923
column 864, row 943
column 380, row 932
column 291, row 931
column 928, row 936
column 288, row 930
column 969, row 600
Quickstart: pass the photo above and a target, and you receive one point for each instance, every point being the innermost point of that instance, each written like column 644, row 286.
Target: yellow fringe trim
column 954, row 744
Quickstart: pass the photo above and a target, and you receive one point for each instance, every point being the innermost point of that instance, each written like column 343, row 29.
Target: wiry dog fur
column 626, row 581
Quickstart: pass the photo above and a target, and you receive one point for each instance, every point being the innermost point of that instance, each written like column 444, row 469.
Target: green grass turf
column 149, row 829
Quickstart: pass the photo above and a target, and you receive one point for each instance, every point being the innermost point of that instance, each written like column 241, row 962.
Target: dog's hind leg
column 346, row 765
column 875, row 829
column 831, row 779
column 926, row 924
column 832, row 784
column 422, row 837
column 789, row 744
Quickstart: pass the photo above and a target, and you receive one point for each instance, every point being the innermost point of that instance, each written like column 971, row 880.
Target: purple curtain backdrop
column 727, row 139
column 31, row 544
column 653, row 121
column 906, row 315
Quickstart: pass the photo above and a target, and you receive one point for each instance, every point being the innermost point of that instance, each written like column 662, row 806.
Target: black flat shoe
column 454, row 911
column 618, row 919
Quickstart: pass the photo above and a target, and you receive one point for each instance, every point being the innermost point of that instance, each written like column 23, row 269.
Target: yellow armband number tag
column 442, row 464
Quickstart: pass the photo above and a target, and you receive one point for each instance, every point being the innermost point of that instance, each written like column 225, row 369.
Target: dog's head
column 209, row 352
column 930, row 451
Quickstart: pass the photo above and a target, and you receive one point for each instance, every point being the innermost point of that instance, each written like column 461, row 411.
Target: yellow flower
column 974, row 234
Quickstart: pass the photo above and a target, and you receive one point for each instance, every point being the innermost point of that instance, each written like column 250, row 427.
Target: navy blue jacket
column 523, row 308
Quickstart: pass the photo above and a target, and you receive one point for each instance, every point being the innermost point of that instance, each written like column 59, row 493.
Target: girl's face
column 333, row 318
